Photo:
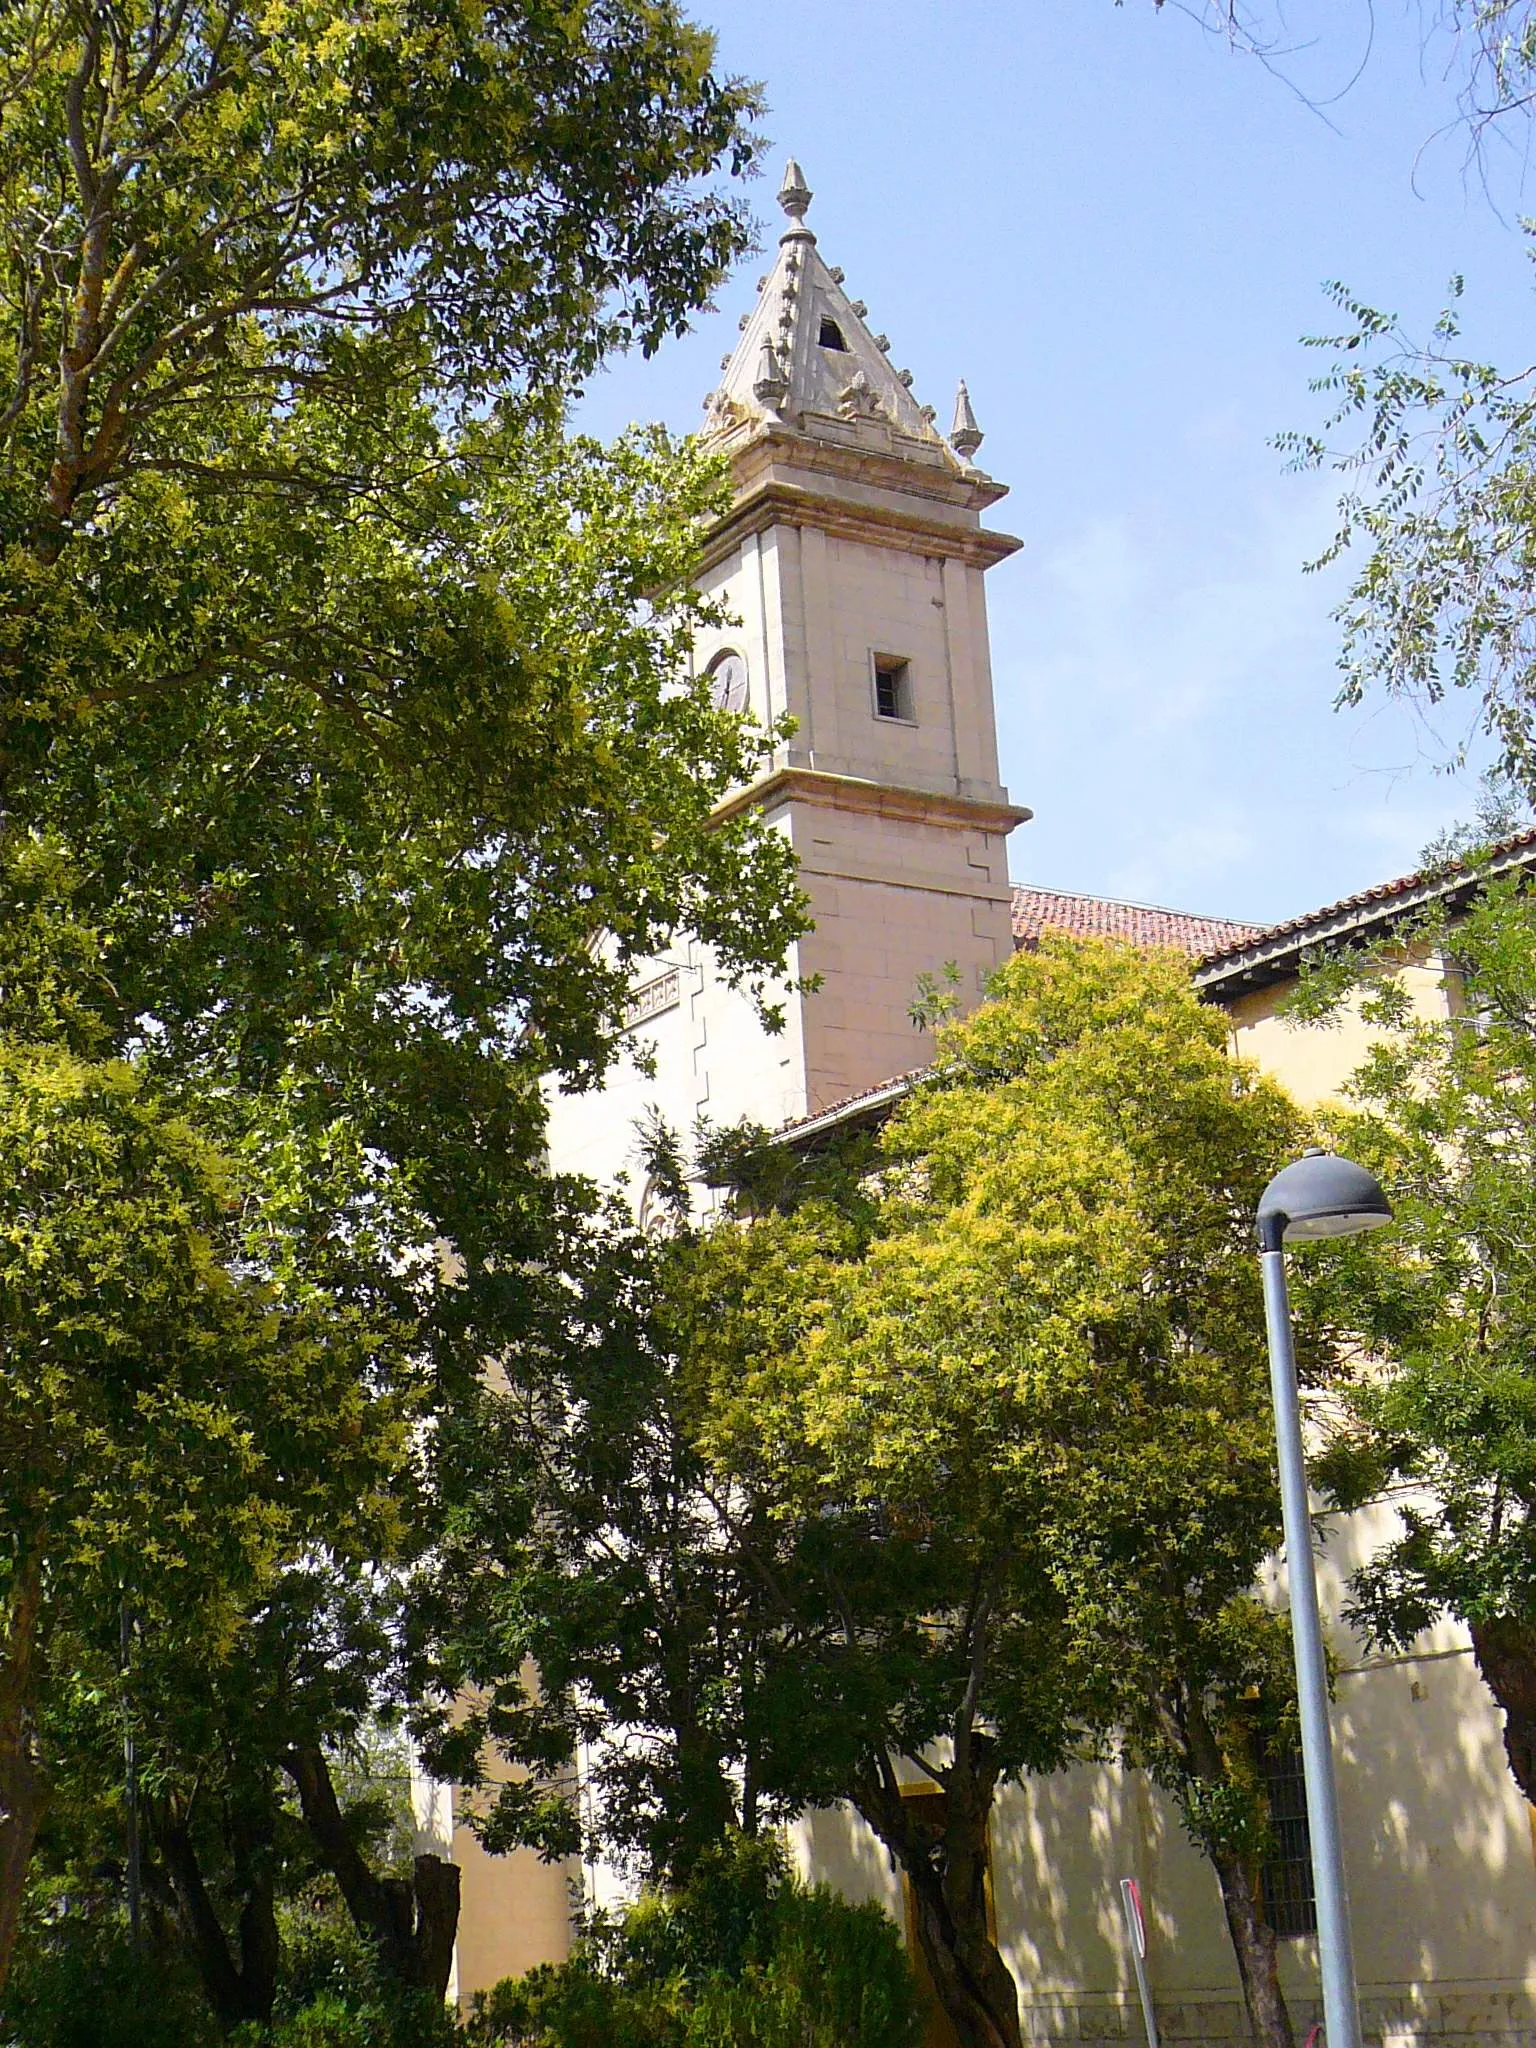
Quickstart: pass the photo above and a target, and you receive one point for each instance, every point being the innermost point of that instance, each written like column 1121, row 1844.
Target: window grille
column 1285, row 1879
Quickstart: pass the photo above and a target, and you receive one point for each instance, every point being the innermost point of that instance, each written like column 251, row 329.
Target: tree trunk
column 1506, row 1656
column 1253, row 1939
column 236, row 1991
column 1257, row 1951
column 23, row 1782
column 411, row 1925
column 940, row 1841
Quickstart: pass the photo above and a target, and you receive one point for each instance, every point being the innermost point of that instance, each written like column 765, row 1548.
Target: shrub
column 79, row 1982
column 742, row 1956
column 334, row 1995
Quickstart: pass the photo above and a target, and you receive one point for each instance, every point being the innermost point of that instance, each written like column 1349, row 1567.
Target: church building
column 851, row 564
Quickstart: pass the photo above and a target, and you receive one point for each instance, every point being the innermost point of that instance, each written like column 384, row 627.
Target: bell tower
column 850, row 563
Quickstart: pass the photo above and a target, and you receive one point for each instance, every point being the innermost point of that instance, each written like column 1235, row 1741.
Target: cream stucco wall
column 894, row 896
column 706, row 1054
column 813, row 608
column 515, row 1913
column 1315, row 1061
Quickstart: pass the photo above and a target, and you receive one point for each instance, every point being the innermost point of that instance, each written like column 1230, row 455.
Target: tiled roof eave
column 1276, row 954
column 873, row 1106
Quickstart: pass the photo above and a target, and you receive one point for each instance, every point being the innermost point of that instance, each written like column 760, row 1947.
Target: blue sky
column 1116, row 230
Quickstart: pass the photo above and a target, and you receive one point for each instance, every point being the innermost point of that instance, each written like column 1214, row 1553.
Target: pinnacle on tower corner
column 965, row 437
column 771, row 386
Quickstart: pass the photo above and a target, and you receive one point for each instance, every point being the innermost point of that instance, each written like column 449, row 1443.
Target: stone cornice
column 782, row 504
column 879, row 799
column 892, row 460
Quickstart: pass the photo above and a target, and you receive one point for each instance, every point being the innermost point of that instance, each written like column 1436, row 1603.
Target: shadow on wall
column 1061, row 1846
column 833, row 1846
column 1438, row 1844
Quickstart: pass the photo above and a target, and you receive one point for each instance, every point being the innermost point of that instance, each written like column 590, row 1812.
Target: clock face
column 728, row 683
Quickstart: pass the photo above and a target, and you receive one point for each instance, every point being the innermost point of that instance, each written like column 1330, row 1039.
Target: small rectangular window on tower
column 893, row 687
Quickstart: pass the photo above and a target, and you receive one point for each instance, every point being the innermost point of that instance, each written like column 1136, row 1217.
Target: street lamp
column 1318, row 1196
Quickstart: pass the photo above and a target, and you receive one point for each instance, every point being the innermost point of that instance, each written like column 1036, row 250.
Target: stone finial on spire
column 965, row 437
column 794, row 194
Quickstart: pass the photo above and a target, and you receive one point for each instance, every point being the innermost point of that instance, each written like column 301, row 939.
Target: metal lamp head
column 1320, row 1195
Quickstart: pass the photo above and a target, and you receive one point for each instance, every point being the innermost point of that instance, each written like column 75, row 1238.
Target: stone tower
column 851, row 562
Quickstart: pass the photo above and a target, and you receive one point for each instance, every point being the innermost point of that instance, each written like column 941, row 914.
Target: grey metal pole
column 1136, row 1929
column 131, row 1780
column 1341, row 2010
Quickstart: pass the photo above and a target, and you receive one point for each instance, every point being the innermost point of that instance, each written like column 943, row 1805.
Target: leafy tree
column 373, row 970
column 214, row 211
column 1051, row 1356
column 1439, row 494
column 580, row 1535
column 174, row 1420
column 1444, row 1109
column 966, row 1472
column 347, row 760
column 82, row 1983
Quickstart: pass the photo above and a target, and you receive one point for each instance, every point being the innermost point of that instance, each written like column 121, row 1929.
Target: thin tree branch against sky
column 1478, row 52
column 1116, row 228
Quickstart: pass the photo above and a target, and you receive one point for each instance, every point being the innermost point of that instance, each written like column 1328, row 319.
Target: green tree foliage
column 79, row 1982
column 1439, row 498
column 742, row 1956
column 176, row 1419
column 1048, row 1361
column 1444, row 1110
column 949, row 1448
column 90, row 1987
column 347, row 763
column 336, row 688
column 213, row 210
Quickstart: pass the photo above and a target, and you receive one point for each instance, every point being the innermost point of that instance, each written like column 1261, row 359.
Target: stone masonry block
column 1203, row 2020
column 1101, row 2023
column 1479, row 2013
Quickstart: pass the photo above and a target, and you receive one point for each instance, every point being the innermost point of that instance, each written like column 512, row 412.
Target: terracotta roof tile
column 1037, row 911
column 1431, row 883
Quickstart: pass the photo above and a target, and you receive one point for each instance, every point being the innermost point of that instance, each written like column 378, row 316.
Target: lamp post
column 1318, row 1196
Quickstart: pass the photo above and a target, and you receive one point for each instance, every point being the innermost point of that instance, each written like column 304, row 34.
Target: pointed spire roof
column 807, row 359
